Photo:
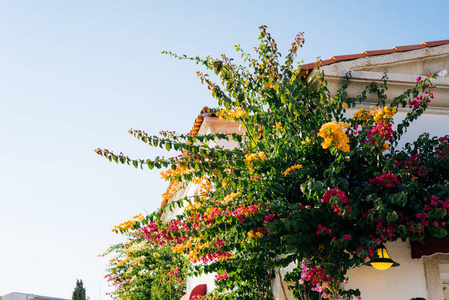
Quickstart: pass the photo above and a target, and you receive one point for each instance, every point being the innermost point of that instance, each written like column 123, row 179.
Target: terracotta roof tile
column 339, row 58
column 308, row 66
column 436, row 43
column 199, row 119
column 409, row 47
column 378, row 52
column 319, row 63
column 347, row 57
column 327, row 62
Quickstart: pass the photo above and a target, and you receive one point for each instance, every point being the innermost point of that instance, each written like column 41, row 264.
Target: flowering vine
column 307, row 184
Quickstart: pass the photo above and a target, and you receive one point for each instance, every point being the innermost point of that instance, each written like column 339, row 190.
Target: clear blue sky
column 76, row 75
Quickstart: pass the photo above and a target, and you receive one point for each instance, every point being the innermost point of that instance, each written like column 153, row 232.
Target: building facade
column 24, row 296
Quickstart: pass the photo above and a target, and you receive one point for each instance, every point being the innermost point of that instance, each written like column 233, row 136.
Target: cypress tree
column 79, row 293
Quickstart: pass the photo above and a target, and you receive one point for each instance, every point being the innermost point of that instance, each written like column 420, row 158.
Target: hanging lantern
column 383, row 262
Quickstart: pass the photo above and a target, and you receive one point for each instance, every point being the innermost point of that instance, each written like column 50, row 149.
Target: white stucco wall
column 397, row 283
column 207, row 279
column 433, row 123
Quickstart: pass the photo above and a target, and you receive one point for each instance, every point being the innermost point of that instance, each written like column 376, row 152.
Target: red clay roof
column 199, row 120
column 339, row 58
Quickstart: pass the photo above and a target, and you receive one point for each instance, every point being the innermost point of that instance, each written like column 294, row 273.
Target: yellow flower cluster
column 231, row 115
column 253, row 156
column 128, row 224
column 173, row 186
column 172, row 189
column 382, row 114
column 114, row 259
column 192, row 248
column 205, row 185
column 123, row 261
column 193, row 256
column 362, row 114
column 179, row 248
column 156, row 255
column 250, row 157
column 306, row 141
column 170, row 173
column 292, row 168
column 230, row 197
column 252, row 234
column 375, row 113
column 136, row 247
column 333, row 134
column 194, row 205
column 197, row 180
column 279, row 126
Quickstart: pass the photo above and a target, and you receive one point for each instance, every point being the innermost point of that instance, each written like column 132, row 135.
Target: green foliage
column 140, row 270
column 306, row 184
column 79, row 293
column 162, row 289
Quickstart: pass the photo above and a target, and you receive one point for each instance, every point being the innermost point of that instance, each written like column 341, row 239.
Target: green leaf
column 150, row 164
column 392, row 216
column 284, row 98
column 241, row 97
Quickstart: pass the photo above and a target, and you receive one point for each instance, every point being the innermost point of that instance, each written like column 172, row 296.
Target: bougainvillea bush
column 314, row 180
column 140, row 270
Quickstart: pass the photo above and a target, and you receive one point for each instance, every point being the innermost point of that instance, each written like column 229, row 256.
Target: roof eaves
column 205, row 112
column 319, row 63
column 339, row 58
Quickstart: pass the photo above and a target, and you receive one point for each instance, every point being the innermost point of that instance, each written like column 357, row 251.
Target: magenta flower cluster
column 421, row 99
column 221, row 276
column 381, row 129
column 317, row 278
column 443, row 148
column 338, row 204
column 385, row 180
column 414, row 166
column 322, row 229
column 341, row 195
column 268, row 218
